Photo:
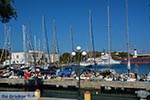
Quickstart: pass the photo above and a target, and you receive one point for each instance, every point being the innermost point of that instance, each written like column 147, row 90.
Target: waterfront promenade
column 95, row 84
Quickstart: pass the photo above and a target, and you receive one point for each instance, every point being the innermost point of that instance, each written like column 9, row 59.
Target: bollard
column 37, row 94
column 87, row 95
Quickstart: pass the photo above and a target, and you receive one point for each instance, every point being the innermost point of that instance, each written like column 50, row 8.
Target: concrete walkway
column 46, row 98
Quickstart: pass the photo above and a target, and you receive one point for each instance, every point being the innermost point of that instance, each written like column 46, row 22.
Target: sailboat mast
column 108, row 12
column 45, row 39
column 35, row 44
column 71, row 43
column 24, row 37
column 91, row 34
column 24, row 42
column 71, row 38
column 43, row 34
column 39, row 45
column 127, row 36
column 55, row 49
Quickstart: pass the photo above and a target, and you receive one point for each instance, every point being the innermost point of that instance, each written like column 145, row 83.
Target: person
column 27, row 75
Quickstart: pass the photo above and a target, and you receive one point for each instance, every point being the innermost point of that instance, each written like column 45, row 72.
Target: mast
column 71, row 38
column 91, row 35
column 71, row 42
column 45, row 39
column 39, row 44
column 29, row 41
column 55, row 49
column 43, row 34
column 108, row 12
column 127, row 37
column 3, row 51
column 9, row 44
column 35, row 44
column 24, row 41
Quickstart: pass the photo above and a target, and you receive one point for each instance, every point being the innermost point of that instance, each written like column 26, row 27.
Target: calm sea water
column 141, row 69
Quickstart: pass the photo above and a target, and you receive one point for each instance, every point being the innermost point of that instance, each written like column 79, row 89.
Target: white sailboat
column 129, row 76
column 106, row 58
column 91, row 60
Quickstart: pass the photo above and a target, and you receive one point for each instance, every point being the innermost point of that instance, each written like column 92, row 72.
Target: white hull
column 105, row 59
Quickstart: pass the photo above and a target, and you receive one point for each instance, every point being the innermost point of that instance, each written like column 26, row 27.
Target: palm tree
column 7, row 11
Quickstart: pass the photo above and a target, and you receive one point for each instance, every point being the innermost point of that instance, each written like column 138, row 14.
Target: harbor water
column 140, row 69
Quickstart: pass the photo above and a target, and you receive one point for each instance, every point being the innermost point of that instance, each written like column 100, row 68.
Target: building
column 31, row 57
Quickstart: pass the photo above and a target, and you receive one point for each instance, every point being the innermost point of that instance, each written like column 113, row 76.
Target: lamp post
column 84, row 54
column 73, row 54
column 78, row 56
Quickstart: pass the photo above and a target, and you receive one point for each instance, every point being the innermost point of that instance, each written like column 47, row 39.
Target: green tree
column 7, row 11
column 64, row 58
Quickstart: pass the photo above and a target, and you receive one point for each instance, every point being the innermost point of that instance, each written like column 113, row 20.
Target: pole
column 108, row 9
column 78, row 56
column 79, row 86
column 127, row 36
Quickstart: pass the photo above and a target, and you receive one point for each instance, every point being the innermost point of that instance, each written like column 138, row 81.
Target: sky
column 76, row 14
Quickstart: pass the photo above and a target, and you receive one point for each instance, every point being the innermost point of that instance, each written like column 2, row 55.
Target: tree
column 65, row 58
column 7, row 11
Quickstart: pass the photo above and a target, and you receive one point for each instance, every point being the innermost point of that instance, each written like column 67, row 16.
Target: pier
column 87, row 84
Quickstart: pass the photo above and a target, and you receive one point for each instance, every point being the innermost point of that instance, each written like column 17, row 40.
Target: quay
column 87, row 84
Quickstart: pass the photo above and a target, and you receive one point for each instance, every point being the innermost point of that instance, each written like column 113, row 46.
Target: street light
column 84, row 54
column 73, row 54
column 78, row 50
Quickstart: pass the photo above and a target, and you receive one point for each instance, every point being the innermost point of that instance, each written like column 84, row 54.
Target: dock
column 95, row 84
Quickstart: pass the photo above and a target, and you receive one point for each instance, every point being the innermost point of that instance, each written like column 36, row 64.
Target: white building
column 30, row 57
column 24, row 57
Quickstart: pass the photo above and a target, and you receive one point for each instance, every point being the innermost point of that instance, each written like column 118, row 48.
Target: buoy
column 38, row 94
column 87, row 95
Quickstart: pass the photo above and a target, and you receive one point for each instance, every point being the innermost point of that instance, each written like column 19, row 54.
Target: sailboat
column 106, row 58
column 91, row 60
column 129, row 76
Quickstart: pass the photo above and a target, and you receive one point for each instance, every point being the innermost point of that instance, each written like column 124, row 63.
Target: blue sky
column 75, row 12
